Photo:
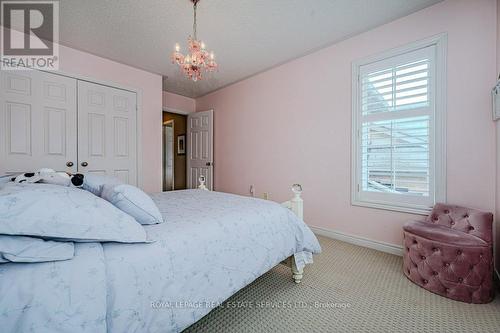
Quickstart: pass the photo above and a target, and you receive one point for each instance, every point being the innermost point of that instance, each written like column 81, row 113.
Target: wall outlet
column 252, row 190
column 265, row 195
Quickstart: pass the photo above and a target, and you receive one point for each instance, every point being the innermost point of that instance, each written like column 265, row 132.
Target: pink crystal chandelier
column 198, row 60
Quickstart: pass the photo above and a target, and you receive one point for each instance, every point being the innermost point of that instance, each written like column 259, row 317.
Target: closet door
column 107, row 131
column 37, row 121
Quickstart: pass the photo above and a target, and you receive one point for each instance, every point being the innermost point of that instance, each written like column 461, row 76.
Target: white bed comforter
column 210, row 246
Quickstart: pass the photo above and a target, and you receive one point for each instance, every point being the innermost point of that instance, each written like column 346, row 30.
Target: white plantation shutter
column 398, row 88
column 395, row 130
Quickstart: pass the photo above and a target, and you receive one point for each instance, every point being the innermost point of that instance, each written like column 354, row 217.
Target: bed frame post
column 296, row 205
column 297, row 274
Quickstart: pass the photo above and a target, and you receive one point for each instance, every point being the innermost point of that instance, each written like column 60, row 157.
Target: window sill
column 395, row 208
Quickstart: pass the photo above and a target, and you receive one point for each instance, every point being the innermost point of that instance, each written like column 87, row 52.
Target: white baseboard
column 357, row 240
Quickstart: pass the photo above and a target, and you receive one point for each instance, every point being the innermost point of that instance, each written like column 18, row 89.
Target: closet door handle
column 69, row 164
column 84, row 164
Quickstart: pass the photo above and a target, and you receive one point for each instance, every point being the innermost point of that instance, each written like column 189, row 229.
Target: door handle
column 69, row 164
column 84, row 164
column 208, row 163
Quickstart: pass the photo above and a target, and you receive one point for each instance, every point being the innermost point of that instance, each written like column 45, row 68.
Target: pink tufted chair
column 450, row 253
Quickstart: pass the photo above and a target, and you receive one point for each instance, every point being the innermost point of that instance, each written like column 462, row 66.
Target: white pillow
column 94, row 183
column 30, row 249
column 65, row 213
column 134, row 202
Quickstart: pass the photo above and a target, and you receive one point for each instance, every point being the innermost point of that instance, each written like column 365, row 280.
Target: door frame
column 138, row 108
column 184, row 113
column 165, row 124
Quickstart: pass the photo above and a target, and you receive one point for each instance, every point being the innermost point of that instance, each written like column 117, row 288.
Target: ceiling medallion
column 198, row 60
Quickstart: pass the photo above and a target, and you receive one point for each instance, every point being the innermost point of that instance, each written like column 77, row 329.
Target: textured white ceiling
column 248, row 36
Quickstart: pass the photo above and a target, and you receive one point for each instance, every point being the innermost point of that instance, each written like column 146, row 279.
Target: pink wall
column 293, row 123
column 178, row 102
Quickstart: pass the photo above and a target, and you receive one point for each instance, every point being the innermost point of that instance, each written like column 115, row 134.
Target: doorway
column 174, row 151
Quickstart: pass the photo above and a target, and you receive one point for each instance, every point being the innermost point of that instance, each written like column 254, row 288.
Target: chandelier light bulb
column 202, row 45
column 177, row 47
column 212, row 55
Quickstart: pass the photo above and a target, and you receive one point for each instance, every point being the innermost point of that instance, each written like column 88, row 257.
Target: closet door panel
column 107, row 133
column 37, row 121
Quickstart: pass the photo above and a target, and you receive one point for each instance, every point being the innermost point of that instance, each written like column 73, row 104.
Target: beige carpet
column 356, row 289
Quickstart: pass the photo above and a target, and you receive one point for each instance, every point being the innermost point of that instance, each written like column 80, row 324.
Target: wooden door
column 37, row 122
column 107, row 131
column 200, row 130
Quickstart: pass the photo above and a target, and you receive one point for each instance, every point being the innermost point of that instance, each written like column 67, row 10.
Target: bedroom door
column 37, row 121
column 107, row 131
column 200, row 137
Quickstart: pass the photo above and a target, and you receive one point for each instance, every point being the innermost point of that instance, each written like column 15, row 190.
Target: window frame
column 437, row 134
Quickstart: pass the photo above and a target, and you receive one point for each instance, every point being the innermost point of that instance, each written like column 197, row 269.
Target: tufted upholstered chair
column 450, row 253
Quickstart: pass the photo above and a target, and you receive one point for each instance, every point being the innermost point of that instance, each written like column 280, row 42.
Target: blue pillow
column 134, row 202
column 94, row 183
column 64, row 213
column 30, row 249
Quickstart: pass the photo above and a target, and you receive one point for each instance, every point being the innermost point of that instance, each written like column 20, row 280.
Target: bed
column 212, row 245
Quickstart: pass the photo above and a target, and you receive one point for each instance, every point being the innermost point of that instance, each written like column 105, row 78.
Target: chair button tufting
column 447, row 211
column 434, row 273
column 407, row 249
column 466, row 216
column 425, row 281
column 447, row 290
column 435, row 249
column 481, row 255
column 460, row 280
column 446, row 264
column 459, row 252
column 423, row 257
column 471, row 228
column 414, row 241
column 452, row 222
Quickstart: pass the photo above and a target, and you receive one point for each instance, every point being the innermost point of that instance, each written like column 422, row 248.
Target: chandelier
column 198, row 60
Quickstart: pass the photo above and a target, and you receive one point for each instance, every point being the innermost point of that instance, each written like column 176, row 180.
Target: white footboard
column 296, row 205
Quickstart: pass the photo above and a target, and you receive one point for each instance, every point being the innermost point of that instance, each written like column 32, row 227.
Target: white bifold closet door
column 44, row 124
column 37, row 122
column 107, row 133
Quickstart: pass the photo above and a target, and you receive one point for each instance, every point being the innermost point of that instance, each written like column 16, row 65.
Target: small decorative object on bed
column 50, row 176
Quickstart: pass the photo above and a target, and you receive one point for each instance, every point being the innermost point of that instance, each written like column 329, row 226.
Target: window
column 398, row 128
